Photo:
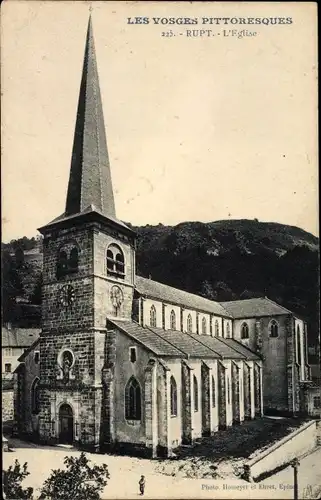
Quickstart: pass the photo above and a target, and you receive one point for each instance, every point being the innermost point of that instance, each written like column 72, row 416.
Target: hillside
column 249, row 236
column 221, row 260
column 235, row 259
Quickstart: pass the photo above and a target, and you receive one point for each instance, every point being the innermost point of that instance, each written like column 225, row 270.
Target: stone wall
column 221, row 395
column 187, row 375
column 276, row 356
column 28, row 373
column 299, row 442
column 7, row 405
column 56, row 317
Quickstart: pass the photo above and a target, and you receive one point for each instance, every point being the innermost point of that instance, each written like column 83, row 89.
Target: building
column 126, row 362
column 15, row 341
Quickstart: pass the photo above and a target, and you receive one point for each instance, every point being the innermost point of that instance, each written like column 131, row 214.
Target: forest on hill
column 223, row 260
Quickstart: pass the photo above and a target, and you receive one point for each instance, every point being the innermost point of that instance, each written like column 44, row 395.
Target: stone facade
column 7, row 404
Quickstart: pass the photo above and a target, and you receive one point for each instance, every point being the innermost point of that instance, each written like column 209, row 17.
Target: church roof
column 224, row 351
column 251, row 308
column 147, row 338
column 166, row 293
column 90, row 179
column 242, row 349
column 177, row 344
column 189, row 345
column 90, row 210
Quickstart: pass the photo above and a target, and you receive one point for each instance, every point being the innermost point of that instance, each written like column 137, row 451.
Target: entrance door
column 66, row 424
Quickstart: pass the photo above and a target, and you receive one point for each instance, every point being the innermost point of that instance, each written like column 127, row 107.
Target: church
column 127, row 363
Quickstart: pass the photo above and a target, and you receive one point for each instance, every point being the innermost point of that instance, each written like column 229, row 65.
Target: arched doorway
column 66, row 424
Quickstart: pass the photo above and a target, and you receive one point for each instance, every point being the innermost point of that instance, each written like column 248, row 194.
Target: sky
column 199, row 128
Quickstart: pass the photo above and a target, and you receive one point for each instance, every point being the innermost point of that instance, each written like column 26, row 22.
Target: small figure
column 142, row 485
column 66, row 365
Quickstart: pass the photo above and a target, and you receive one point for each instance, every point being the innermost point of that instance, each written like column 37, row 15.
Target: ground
column 223, row 454
column 190, row 476
column 125, row 473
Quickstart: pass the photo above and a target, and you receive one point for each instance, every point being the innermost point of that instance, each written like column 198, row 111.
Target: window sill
column 173, row 416
column 114, row 274
column 134, row 423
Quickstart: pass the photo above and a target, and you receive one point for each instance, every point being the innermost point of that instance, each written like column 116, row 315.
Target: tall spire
column 90, row 180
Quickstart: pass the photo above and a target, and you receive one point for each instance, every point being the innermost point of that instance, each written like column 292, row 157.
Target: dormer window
column 115, row 262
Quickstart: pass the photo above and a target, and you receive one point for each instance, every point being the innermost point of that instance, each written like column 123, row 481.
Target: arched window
column 133, row 409
column 152, row 315
column 62, row 264
column 73, row 259
column 204, row 325
column 189, row 324
column 195, row 384
column 228, row 330
column 244, row 331
column 274, row 328
column 173, row 320
column 115, row 261
column 298, row 344
column 213, row 392
column 67, row 259
column 173, row 397
column 35, row 403
column 217, row 329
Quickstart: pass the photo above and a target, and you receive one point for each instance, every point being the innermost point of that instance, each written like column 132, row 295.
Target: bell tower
column 88, row 276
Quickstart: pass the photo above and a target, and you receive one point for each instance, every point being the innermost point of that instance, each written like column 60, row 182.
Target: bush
column 12, row 479
column 78, row 481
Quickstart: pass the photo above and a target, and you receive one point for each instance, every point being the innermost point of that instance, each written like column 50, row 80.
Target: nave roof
column 166, row 293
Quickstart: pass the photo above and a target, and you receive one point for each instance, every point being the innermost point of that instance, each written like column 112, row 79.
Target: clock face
column 116, row 296
column 66, row 295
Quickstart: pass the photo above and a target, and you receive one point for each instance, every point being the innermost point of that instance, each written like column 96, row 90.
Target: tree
column 36, row 296
column 11, row 287
column 12, row 479
column 78, row 481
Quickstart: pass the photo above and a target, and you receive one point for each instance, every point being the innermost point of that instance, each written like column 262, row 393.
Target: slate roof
column 251, row 308
column 19, row 337
column 90, row 210
column 28, row 350
column 242, row 349
column 190, row 345
column 223, row 350
column 156, row 290
column 177, row 344
column 148, row 338
column 90, row 179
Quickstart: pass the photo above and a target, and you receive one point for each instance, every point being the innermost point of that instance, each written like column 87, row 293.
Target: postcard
column 160, row 251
